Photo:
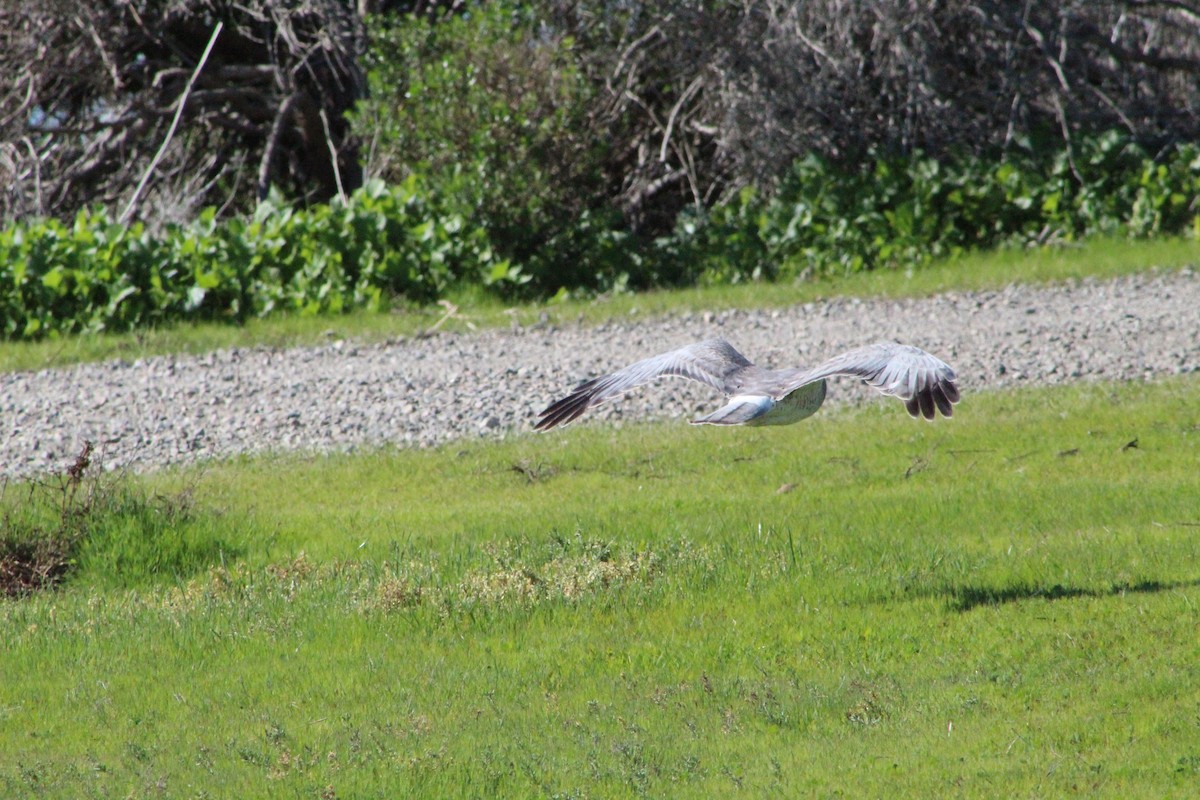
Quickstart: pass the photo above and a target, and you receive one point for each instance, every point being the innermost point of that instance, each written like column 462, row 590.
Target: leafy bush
column 645, row 108
column 411, row 241
column 97, row 275
column 491, row 111
column 889, row 212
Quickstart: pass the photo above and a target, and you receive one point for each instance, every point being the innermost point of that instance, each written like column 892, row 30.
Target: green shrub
column 896, row 212
column 415, row 239
column 492, row 113
column 380, row 244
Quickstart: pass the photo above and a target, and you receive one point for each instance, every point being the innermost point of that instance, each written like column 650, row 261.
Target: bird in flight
column 758, row 396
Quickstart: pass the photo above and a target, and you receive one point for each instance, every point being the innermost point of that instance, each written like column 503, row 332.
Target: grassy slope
column 1099, row 259
column 1001, row 605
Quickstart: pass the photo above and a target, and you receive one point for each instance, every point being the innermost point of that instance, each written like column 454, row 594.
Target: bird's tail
column 739, row 411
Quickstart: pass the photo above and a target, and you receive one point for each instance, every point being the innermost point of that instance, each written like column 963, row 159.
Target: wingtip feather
column 912, row 406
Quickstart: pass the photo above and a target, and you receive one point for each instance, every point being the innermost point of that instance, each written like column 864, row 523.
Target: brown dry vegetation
column 90, row 94
column 692, row 100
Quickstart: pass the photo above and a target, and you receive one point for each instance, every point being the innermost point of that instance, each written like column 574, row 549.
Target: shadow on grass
column 965, row 598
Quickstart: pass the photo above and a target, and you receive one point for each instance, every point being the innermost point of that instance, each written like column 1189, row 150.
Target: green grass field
column 1005, row 604
column 1098, row 258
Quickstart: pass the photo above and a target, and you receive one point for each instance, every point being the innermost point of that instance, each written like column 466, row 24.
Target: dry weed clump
column 38, row 534
column 27, row 567
column 517, row 579
column 397, row 593
column 220, row 583
column 564, row 578
column 101, row 523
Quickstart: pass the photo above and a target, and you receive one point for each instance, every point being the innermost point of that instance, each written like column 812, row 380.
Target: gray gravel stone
column 422, row 392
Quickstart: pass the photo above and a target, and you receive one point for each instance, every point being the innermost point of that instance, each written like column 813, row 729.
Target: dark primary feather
column 924, row 382
column 711, row 362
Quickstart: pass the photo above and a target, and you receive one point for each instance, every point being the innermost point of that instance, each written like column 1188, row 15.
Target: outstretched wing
column 710, row 362
column 925, row 383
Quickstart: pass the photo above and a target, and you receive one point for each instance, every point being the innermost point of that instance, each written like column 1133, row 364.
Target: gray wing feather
column 711, row 362
column 924, row 382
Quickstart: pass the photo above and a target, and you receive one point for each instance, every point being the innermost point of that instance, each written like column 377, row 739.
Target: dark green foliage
column 96, row 275
column 491, row 112
column 898, row 212
column 412, row 241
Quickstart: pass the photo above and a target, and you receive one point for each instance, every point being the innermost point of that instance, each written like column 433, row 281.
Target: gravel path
column 422, row 392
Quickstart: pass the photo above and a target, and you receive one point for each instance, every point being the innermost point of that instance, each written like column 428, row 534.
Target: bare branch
column 333, row 155
column 264, row 167
column 692, row 88
column 98, row 92
column 125, row 217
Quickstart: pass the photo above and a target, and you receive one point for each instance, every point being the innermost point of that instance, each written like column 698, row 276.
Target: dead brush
column 567, row 570
column 43, row 530
column 36, row 545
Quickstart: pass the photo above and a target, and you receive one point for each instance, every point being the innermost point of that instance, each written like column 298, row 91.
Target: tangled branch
column 98, row 114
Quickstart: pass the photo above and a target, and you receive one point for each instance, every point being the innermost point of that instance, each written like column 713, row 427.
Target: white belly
column 798, row 405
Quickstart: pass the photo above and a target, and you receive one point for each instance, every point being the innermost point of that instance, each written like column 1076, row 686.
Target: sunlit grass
column 1003, row 604
column 475, row 310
